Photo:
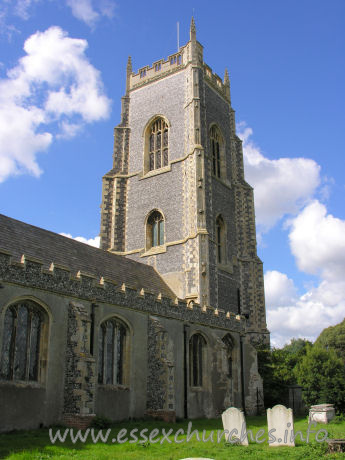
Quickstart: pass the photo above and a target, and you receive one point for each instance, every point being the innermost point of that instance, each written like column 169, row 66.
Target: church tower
column 176, row 197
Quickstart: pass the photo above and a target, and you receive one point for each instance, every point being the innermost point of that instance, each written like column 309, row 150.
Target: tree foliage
column 321, row 373
column 333, row 337
column 276, row 368
column 319, row 368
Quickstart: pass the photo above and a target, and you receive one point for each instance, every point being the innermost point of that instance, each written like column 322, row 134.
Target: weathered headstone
column 234, row 421
column 280, row 425
column 321, row 413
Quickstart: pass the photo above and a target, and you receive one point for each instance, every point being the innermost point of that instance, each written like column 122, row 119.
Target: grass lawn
column 36, row 444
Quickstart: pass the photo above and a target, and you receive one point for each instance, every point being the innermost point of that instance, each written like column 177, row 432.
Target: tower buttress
column 176, row 197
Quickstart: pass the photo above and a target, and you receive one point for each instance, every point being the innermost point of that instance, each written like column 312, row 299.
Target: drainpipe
column 242, row 376
column 241, row 352
column 92, row 327
column 185, row 370
column 238, row 301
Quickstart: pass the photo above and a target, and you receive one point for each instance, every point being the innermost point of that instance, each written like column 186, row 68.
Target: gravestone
column 280, row 424
column 321, row 413
column 234, row 421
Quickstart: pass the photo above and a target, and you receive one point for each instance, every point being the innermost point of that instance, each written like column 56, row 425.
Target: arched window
column 155, row 230
column 112, row 352
column 229, row 347
column 23, row 326
column 220, row 240
column 197, row 345
column 158, row 144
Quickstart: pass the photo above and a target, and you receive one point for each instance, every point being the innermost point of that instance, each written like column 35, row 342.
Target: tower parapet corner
column 222, row 86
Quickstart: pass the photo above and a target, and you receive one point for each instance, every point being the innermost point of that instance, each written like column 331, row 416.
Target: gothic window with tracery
column 155, row 229
column 215, row 140
column 20, row 356
column 158, row 144
column 220, row 240
column 111, row 352
column 197, row 346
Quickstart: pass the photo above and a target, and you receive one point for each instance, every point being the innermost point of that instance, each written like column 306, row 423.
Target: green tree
column 333, row 337
column 276, row 367
column 321, row 373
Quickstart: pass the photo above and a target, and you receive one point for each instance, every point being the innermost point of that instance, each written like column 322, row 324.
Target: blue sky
column 60, row 99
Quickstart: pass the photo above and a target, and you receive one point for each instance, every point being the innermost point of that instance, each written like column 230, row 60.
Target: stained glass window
column 21, row 342
column 111, row 352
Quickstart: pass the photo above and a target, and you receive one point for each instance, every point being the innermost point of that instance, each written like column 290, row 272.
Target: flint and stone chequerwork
column 164, row 320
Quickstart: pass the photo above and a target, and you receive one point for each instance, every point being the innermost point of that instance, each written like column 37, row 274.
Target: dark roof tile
column 20, row 238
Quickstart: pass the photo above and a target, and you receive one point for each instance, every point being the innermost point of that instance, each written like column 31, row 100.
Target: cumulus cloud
column 282, row 186
column 53, row 85
column 279, row 289
column 301, row 316
column 317, row 241
column 91, row 241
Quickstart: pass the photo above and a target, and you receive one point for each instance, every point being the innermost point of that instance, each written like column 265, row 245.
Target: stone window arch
column 217, row 152
column 24, row 345
column 197, row 350
column 156, row 144
column 229, row 349
column 155, row 229
column 221, row 240
column 113, row 352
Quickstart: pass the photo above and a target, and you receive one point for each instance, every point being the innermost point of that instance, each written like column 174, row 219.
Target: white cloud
column 305, row 316
column 53, row 85
column 317, row 241
column 279, row 289
column 281, row 187
column 83, row 10
column 91, row 241
column 90, row 11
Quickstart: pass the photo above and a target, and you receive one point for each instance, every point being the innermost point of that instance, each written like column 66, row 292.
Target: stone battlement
column 175, row 62
column 159, row 69
column 60, row 280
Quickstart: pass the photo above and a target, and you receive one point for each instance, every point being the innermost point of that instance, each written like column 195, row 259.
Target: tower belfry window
column 158, row 144
column 155, row 229
column 215, row 151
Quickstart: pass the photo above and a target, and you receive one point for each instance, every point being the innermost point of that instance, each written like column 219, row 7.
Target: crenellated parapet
column 61, row 280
